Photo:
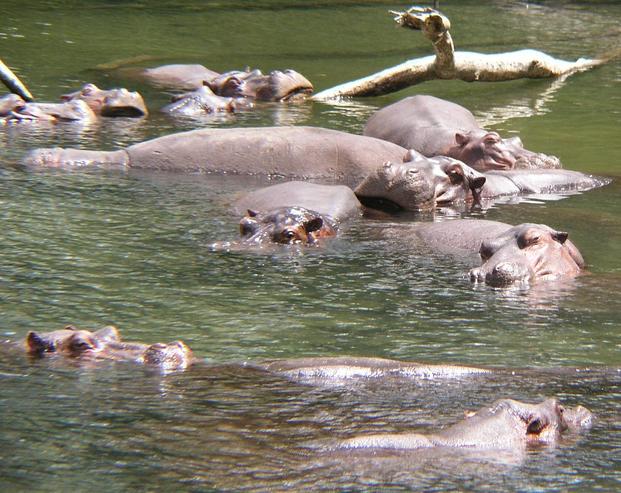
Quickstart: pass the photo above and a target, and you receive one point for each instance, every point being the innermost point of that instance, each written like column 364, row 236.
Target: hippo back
column 336, row 201
column 421, row 122
column 292, row 152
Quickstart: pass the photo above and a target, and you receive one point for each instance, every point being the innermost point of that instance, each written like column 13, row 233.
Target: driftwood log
column 450, row 64
column 12, row 82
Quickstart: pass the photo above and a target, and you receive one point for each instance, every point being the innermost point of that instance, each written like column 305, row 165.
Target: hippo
column 347, row 368
column 510, row 255
column 106, row 344
column 10, row 103
column 275, row 152
column 287, row 226
column 109, row 102
column 505, row 425
column 203, row 101
column 435, row 127
column 279, row 85
column 420, row 183
column 69, row 111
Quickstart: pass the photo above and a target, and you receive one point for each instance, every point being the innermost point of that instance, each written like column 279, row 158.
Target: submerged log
column 450, row 64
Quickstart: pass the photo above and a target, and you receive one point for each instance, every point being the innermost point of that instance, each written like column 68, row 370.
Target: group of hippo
column 417, row 154
column 504, row 425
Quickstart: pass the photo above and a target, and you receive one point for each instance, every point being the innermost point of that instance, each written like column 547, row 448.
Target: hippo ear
column 35, row 343
column 252, row 213
column 461, row 139
column 535, row 425
column 108, row 334
column 560, row 236
column 410, row 156
column 477, row 182
column 314, row 224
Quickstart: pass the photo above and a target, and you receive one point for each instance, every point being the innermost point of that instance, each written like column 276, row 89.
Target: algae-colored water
column 96, row 248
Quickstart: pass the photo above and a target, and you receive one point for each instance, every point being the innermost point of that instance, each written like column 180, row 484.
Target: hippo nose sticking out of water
column 525, row 253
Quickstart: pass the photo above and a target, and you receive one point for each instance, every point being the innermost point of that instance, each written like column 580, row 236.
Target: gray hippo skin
column 185, row 77
column 109, row 102
column 278, row 85
column 435, row 127
column 510, row 255
column 506, row 424
column 346, row 368
column 420, row 183
column 291, row 152
column 106, row 344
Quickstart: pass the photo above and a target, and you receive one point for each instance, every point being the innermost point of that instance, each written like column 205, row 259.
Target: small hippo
column 420, row 183
column 204, row 101
column 506, row 424
column 286, row 225
column 105, row 344
column 511, row 255
column 109, row 102
column 435, row 127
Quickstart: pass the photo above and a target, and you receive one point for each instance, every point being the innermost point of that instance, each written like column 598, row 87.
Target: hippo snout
column 501, row 274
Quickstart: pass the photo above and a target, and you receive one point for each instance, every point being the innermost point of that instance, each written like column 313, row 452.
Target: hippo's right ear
column 412, row 155
column 35, row 343
column 108, row 334
column 461, row 139
column 314, row 224
column 252, row 213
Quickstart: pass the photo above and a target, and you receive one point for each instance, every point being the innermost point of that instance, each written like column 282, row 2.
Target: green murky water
column 93, row 248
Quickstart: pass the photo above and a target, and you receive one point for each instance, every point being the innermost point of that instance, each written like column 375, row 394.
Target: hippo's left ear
column 314, row 224
column 36, row 344
column 461, row 139
column 108, row 334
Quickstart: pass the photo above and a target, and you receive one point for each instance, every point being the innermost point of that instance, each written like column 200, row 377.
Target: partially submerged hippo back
column 204, row 101
column 110, row 102
column 172, row 356
column 506, row 424
column 435, row 127
column 286, row 225
column 179, row 76
column 336, row 201
column 419, row 183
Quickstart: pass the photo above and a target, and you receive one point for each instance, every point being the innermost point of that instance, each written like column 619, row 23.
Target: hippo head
column 421, row 183
column 527, row 253
column 485, row 151
column 277, row 86
column 69, row 111
column 111, row 102
column 286, row 225
column 203, row 101
column 70, row 340
column 10, row 103
column 173, row 356
column 543, row 422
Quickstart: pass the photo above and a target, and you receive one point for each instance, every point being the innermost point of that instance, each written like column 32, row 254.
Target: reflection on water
column 131, row 249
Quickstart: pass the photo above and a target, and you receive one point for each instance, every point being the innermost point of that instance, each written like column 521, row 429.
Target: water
column 94, row 248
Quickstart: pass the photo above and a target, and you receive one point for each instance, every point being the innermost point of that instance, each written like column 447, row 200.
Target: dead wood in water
column 450, row 64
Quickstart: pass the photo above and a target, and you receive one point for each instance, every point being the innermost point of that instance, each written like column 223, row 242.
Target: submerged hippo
column 10, row 103
column 203, row 101
column 109, row 102
column 331, row 369
column 106, row 344
column 278, row 85
column 291, row 152
column 69, row 111
column 420, row 183
column 506, row 424
column 511, row 255
column 286, row 225
column 435, row 127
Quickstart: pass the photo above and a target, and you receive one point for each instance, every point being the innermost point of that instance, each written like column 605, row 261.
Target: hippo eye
column 412, row 172
column 289, row 235
column 455, row 177
column 88, row 89
column 528, row 240
column 491, row 140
